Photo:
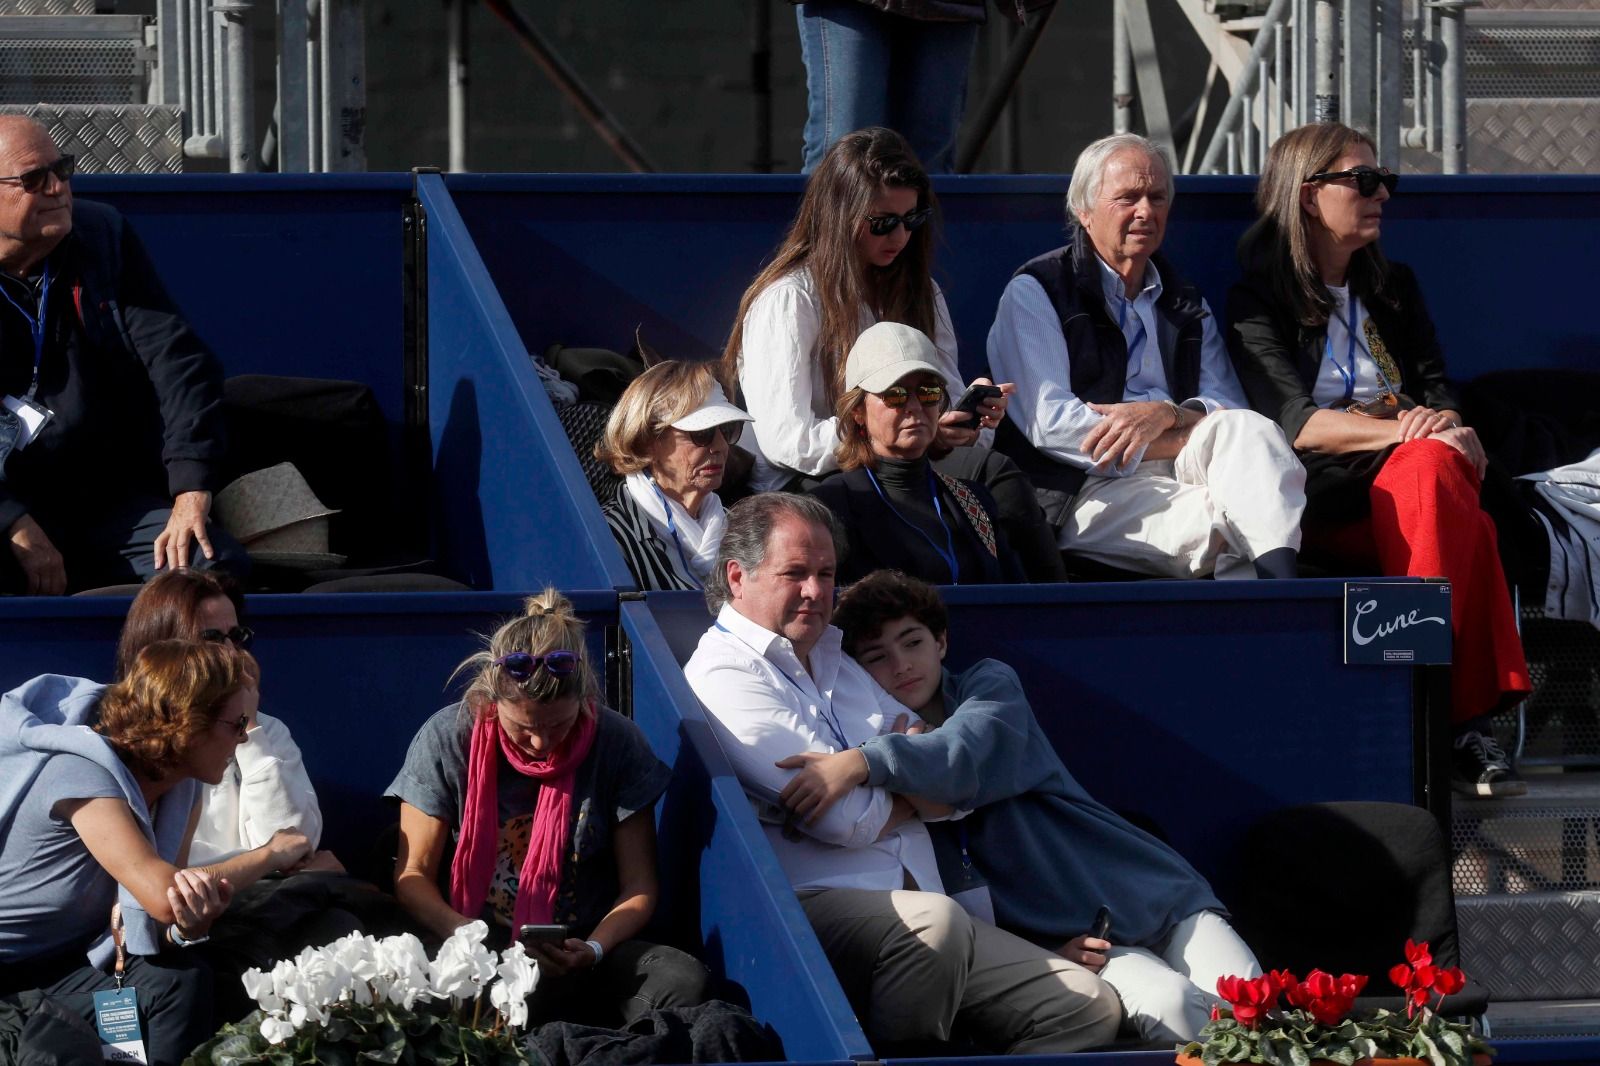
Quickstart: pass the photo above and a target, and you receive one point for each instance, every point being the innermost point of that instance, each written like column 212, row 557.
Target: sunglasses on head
column 896, row 396
column 240, row 635
column 883, row 225
column 731, row 432
column 33, row 180
column 1367, row 178
column 520, row 665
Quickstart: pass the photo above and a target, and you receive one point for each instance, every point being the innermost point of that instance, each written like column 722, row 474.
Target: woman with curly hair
column 530, row 804
column 99, row 795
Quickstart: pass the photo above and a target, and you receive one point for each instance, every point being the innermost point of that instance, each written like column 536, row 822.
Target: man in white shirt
column 772, row 674
column 1127, row 415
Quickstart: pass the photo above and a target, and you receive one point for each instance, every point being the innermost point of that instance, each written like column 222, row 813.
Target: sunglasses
column 1367, row 178
column 883, row 225
column 701, row 438
column 896, row 396
column 33, row 180
column 240, row 725
column 520, row 665
column 240, row 635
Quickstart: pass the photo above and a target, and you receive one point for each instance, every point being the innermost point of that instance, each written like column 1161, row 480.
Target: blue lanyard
column 1348, row 373
column 825, row 711
column 672, row 528
column 36, row 324
column 948, row 552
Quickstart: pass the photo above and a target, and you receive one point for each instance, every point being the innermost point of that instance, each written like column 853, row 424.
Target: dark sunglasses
column 240, row 635
column 731, row 432
column 1367, row 178
column 33, row 180
column 883, row 225
column 896, row 396
column 520, row 665
column 240, row 725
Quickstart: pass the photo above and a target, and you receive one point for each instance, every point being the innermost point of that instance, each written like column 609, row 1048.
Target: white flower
column 463, row 965
column 402, row 971
column 519, row 976
column 258, row 985
column 275, row 1030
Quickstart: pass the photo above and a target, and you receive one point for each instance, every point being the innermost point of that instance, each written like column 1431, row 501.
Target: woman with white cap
column 669, row 438
column 898, row 511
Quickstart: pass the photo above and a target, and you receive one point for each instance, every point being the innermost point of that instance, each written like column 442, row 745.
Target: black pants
column 634, row 978
column 173, row 989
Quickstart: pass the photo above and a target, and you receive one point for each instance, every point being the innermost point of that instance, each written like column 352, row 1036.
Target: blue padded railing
column 584, row 259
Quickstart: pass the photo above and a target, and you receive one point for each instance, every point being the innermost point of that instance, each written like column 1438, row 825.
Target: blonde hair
column 173, row 693
column 822, row 238
column 1282, row 235
column 547, row 623
column 652, row 402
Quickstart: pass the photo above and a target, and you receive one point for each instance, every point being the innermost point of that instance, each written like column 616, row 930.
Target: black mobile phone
column 543, row 934
column 975, row 396
column 1102, row 923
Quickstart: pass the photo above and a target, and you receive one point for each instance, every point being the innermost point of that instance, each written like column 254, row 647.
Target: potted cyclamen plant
column 369, row 1000
column 1280, row 1020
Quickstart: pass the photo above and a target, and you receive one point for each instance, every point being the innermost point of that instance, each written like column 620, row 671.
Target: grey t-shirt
column 54, row 896
column 620, row 777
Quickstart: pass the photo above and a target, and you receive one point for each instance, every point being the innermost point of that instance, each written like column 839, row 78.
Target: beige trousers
column 917, row 967
column 1236, row 491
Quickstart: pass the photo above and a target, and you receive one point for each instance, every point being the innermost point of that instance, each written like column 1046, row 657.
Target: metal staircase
column 140, row 94
column 1496, row 86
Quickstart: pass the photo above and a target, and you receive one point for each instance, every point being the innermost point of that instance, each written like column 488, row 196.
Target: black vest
column 1071, row 277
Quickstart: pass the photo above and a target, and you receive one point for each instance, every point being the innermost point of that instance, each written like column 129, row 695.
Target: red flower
column 1283, row 980
column 1216, row 1012
column 1248, row 998
column 1351, row 984
column 1418, row 955
column 1449, row 982
column 1400, row 975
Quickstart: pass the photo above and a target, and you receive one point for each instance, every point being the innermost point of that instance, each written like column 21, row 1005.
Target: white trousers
column 1235, row 492
column 1167, row 993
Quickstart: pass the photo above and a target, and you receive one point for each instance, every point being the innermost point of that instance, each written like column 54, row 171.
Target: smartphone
column 1102, row 923
column 974, row 397
column 543, row 934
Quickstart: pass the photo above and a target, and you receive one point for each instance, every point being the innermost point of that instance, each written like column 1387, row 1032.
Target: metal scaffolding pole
column 456, row 17
column 1360, row 59
column 1388, row 121
column 241, row 85
column 1121, row 70
column 1326, row 104
column 1225, row 136
column 1452, row 86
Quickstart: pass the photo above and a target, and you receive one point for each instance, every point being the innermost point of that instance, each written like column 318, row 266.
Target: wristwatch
column 180, row 941
column 1178, row 418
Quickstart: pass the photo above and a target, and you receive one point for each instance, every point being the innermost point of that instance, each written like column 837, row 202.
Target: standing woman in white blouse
column 859, row 251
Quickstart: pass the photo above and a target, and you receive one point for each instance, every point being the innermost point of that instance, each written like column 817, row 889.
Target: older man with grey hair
column 773, row 675
column 1128, row 416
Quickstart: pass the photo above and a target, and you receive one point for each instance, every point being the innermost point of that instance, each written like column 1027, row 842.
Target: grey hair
column 750, row 525
column 1089, row 172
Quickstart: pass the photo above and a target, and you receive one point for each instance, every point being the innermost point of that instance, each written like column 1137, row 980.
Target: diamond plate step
column 1508, row 1022
column 115, row 138
column 1540, row 946
column 47, row 7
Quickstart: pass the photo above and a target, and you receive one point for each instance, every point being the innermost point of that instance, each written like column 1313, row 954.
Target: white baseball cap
column 886, row 352
column 714, row 411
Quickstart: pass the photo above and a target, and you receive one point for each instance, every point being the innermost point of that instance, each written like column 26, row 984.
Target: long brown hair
column 168, row 608
column 822, row 238
column 1280, row 240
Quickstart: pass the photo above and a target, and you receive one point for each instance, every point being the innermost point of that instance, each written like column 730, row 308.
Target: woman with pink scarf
column 531, row 804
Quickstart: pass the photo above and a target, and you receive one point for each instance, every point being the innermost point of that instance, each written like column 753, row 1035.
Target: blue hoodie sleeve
column 984, row 752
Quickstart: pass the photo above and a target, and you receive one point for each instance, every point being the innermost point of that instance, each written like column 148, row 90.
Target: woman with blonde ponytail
column 535, row 802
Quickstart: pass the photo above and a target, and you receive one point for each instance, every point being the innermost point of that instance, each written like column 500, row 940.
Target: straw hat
column 278, row 519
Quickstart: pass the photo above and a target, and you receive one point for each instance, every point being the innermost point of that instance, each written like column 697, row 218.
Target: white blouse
column 780, row 374
column 1366, row 382
column 266, row 788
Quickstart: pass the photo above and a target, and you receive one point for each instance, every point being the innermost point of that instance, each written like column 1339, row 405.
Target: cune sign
column 1401, row 623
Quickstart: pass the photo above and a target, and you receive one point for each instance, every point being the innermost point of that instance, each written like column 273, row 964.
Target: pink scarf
column 473, row 866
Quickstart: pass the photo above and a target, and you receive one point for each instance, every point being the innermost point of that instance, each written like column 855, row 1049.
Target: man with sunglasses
column 1128, row 416
column 110, row 407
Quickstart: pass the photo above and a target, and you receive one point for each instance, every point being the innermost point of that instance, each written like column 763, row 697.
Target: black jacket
column 137, row 397
column 879, row 540
column 1277, row 359
column 1071, row 277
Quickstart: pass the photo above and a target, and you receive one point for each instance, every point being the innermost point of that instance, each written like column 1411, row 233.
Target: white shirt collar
column 779, row 649
column 1115, row 291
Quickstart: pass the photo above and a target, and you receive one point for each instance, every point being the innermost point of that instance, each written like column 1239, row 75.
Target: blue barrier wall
column 1197, row 705
column 515, row 510
column 582, row 260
